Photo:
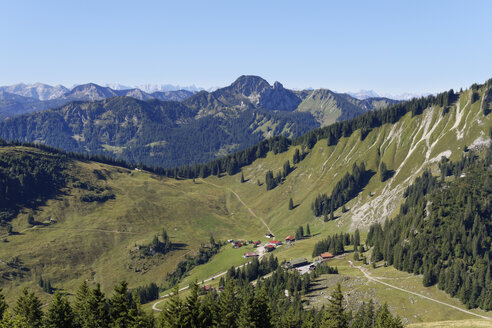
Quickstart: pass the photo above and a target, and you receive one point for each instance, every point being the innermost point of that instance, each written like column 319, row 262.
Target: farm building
column 269, row 248
column 326, row 255
column 250, row 254
column 297, row 263
column 290, row 239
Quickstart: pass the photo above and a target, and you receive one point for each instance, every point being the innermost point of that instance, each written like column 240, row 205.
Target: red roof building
column 256, row 242
column 326, row 255
column 290, row 238
column 269, row 248
column 275, row 242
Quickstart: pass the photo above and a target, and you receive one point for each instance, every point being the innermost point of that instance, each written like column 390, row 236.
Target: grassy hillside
column 94, row 241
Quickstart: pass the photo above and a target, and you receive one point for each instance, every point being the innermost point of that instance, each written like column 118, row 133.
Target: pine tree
column 383, row 172
column 291, row 204
column 356, row 238
column 28, row 308
column 297, row 157
column 384, row 319
column 245, row 315
column 97, row 314
column 3, row 304
column 120, row 306
column 172, row 316
column 227, row 307
column 335, row 316
column 138, row 317
column 80, row 306
column 308, row 230
column 59, row 313
column 208, row 309
column 192, row 308
column 9, row 321
column 242, row 177
column 262, row 313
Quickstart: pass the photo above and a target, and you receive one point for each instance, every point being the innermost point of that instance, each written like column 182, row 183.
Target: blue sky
column 387, row 46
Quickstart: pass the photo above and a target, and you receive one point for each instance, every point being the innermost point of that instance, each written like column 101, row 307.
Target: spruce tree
column 335, row 316
column 308, row 230
column 208, row 310
column 192, row 308
column 172, row 315
column 261, row 311
column 383, row 172
column 356, row 238
column 384, row 319
column 9, row 321
column 28, row 308
column 3, row 304
column 59, row 313
column 245, row 315
column 120, row 306
column 138, row 317
column 242, row 177
column 227, row 307
column 97, row 314
column 80, row 305
column 291, row 204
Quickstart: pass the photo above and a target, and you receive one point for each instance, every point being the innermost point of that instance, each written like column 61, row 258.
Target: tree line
column 347, row 188
column 276, row 301
column 335, row 244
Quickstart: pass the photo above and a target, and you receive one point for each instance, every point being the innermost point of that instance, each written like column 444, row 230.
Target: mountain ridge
column 225, row 120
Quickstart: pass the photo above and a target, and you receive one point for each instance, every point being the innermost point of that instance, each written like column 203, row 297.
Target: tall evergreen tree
column 172, row 315
column 227, row 307
column 9, row 321
column 356, row 239
column 192, row 308
column 97, row 310
column 28, row 308
column 291, row 204
column 3, row 304
column 59, row 313
column 245, row 315
column 335, row 316
column 261, row 311
column 120, row 306
column 80, row 305
column 138, row 317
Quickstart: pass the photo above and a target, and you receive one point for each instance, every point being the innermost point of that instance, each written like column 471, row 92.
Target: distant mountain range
column 25, row 98
column 365, row 94
column 171, row 128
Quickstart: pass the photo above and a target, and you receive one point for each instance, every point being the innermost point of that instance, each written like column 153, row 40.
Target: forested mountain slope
column 104, row 215
column 140, row 128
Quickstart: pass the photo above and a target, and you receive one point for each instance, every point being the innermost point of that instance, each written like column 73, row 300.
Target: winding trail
column 371, row 278
column 242, row 202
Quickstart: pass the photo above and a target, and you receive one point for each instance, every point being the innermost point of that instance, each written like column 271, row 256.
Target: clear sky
column 388, row 46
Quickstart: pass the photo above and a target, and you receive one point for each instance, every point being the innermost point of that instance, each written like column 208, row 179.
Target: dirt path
column 369, row 277
column 242, row 202
column 71, row 229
